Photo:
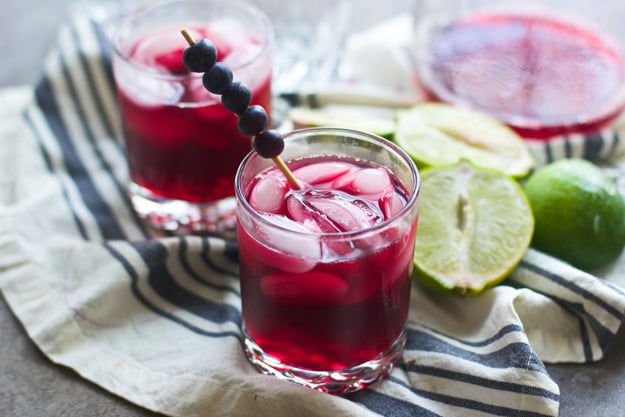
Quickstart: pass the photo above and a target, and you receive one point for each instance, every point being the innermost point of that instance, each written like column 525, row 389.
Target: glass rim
column 244, row 5
column 413, row 191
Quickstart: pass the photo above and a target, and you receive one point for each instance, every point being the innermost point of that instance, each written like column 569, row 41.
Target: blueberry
column 218, row 78
column 253, row 120
column 200, row 57
column 236, row 98
column 269, row 143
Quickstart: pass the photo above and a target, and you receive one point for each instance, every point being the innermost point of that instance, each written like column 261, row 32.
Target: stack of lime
column 475, row 223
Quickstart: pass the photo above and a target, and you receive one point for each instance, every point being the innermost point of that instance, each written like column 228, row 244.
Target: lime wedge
column 435, row 134
column 376, row 120
column 475, row 225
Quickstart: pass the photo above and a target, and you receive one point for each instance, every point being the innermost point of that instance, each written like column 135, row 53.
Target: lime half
column 475, row 225
column 435, row 134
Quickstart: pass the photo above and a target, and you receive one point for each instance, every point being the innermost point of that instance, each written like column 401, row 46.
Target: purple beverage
column 182, row 146
column 187, row 148
column 325, row 269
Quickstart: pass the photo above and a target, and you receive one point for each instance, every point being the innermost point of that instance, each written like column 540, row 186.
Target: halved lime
column 377, row 120
column 435, row 134
column 475, row 225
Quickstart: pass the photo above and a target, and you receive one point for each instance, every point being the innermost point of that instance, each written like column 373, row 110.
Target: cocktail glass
column 545, row 68
column 325, row 270
column 183, row 147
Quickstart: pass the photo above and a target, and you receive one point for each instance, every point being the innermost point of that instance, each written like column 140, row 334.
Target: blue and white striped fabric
column 157, row 320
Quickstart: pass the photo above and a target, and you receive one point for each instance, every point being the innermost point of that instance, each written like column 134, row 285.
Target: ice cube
column 148, row 91
column 317, row 222
column 310, row 288
column 268, row 195
column 391, row 204
column 344, row 182
column 321, row 172
column 346, row 215
column 372, row 181
column 237, row 46
column 161, row 49
column 307, row 217
column 294, row 252
column 196, row 95
column 228, row 35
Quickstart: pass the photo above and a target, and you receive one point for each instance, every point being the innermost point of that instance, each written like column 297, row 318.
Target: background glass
column 546, row 68
column 309, row 41
column 183, row 147
column 327, row 310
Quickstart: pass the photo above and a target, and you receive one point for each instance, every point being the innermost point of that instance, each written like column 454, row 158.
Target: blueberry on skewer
column 218, row 78
column 201, row 56
column 252, row 121
column 268, row 143
column 236, row 98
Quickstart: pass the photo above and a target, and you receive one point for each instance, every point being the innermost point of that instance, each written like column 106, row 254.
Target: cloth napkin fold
column 157, row 320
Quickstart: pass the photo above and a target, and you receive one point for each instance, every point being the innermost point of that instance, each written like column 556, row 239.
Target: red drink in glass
column 180, row 150
column 325, row 270
column 182, row 145
column 541, row 75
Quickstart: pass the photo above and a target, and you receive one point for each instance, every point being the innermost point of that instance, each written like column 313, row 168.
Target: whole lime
column 579, row 213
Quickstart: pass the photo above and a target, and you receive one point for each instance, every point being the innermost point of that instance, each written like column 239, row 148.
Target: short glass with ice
column 325, row 269
column 182, row 146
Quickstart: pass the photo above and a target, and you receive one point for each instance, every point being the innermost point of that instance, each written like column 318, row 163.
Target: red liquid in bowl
column 540, row 75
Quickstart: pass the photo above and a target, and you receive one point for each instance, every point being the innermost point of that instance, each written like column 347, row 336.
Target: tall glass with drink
column 325, row 269
column 183, row 147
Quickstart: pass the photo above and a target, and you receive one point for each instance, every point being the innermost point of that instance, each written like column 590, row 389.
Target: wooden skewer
column 276, row 159
column 188, row 37
column 286, row 172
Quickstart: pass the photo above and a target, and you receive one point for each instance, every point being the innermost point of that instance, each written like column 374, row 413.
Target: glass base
column 332, row 382
column 181, row 217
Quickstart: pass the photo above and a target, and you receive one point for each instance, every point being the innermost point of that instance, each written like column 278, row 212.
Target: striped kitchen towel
column 157, row 320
